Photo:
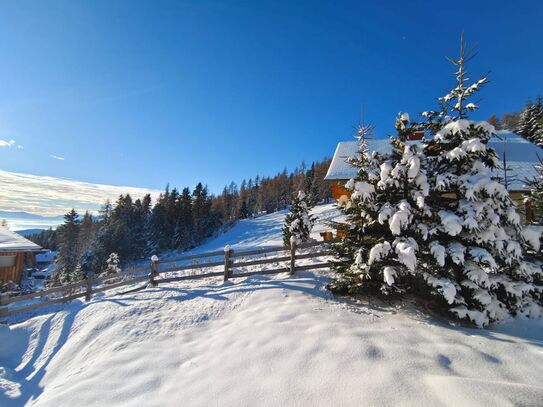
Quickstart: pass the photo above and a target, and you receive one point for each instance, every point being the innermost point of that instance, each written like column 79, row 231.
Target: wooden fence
column 230, row 261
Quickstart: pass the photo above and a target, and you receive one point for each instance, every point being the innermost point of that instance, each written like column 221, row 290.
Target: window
column 7, row 261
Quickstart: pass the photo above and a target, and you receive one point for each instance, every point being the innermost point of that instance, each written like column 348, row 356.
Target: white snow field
column 262, row 341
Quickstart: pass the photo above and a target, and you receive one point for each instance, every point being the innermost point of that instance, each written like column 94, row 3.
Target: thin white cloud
column 50, row 196
column 57, row 157
column 6, row 143
column 20, row 147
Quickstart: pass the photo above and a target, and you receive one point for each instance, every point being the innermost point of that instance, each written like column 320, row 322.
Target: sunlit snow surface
column 266, row 341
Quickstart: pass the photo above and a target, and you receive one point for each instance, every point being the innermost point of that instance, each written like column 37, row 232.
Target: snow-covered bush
column 430, row 219
column 298, row 222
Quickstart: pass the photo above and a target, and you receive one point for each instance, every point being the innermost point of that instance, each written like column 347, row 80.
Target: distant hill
column 30, row 216
column 23, row 221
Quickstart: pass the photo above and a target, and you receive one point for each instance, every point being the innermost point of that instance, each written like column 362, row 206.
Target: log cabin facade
column 15, row 251
column 521, row 157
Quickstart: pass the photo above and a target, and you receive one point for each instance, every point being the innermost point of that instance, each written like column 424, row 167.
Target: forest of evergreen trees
column 178, row 220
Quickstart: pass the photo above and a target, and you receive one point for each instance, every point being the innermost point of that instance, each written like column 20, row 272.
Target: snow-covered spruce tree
column 530, row 124
column 436, row 223
column 67, row 264
column 298, row 222
column 483, row 272
column 378, row 251
column 535, row 198
column 112, row 267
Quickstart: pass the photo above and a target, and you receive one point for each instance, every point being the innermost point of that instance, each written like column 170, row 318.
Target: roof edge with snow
column 13, row 242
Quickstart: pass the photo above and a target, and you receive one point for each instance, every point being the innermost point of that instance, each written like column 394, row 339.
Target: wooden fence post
column 4, row 301
column 89, row 277
column 292, row 255
column 154, row 271
column 227, row 253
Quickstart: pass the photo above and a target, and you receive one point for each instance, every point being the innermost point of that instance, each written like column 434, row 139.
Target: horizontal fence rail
column 151, row 274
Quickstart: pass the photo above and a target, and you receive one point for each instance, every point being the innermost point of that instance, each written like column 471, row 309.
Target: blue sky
column 150, row 93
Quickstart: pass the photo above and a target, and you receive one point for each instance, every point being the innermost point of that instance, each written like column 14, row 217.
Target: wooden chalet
column 15, row 251
column 521, row 157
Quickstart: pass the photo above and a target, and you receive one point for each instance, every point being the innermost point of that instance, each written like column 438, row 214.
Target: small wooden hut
column 15, row 250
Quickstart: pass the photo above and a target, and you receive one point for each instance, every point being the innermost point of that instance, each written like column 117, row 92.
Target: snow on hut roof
column 521, row 156
column 13, row 242
column 339, row 168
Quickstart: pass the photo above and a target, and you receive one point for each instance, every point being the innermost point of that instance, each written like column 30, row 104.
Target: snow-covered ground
column 270, row 341
column 266, row 230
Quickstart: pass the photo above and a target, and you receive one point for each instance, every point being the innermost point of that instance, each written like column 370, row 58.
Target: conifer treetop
column 457, row 98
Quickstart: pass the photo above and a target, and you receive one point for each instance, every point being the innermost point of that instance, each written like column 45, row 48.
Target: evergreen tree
column 123, row 225
column 68, row 255
column 142, row 210
column 251, row 197
column 243, row 207
column 311, row 186
column 530, row 124
column 257, row 195
column 476, row 238
column 184, row 231
column 435, row 222
column 535, row 199
column 298, row 222
column 93, row 260
column 388, row 203
column 105, row 211
column 158, row 240
column 86, row 232
column 201, row 211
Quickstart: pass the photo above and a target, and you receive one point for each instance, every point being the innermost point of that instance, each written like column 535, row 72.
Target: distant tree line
column 528, row 122
column 178, row 220
column 46, row 238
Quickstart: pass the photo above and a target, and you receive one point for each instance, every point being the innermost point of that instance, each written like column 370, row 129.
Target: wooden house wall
column 338, row 190
column 14, row 273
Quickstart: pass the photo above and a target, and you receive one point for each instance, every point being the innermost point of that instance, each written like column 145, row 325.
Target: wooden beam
column 292, row 255
column 227, row 252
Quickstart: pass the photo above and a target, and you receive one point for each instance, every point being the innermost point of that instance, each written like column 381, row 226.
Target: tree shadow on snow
column 31, row 373
column 515, row 330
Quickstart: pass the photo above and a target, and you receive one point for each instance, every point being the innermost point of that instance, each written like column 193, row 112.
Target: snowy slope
column 262, row 341
column 265, row 230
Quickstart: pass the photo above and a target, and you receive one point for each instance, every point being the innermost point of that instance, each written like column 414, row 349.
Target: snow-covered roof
column 521, row 155
column 13, row 242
